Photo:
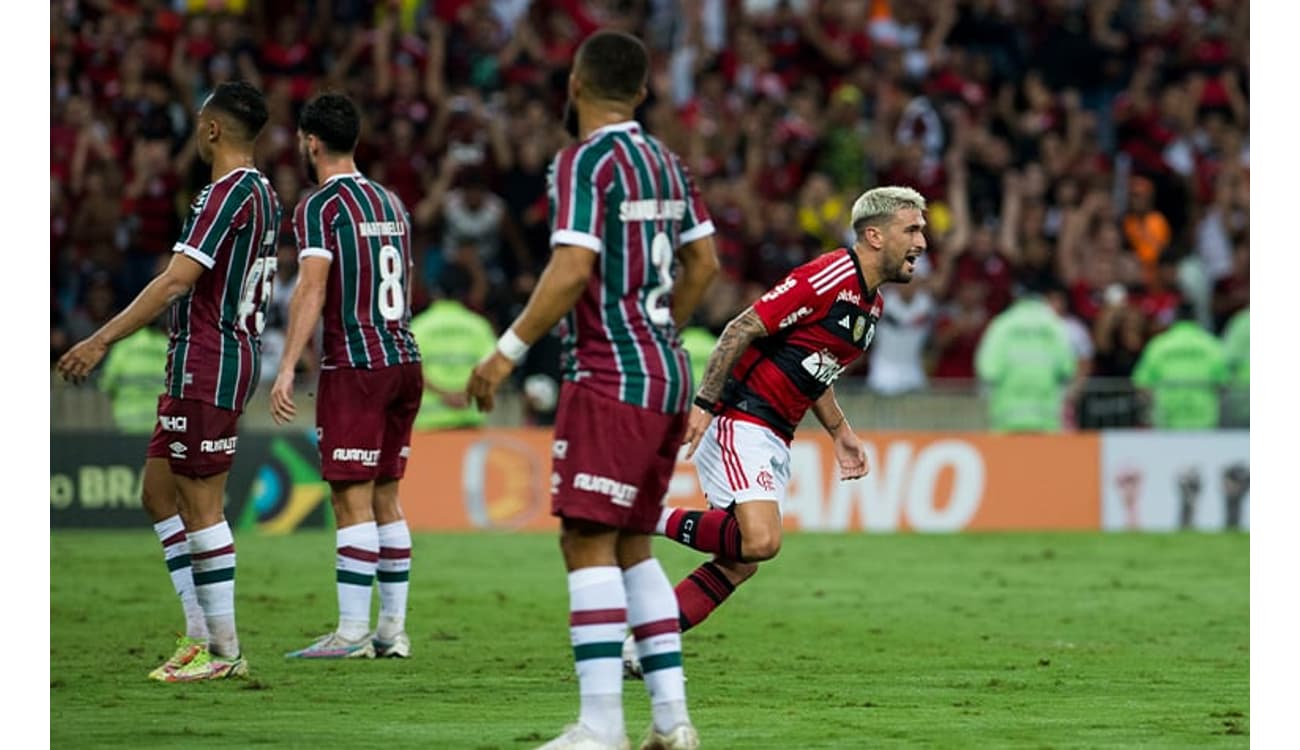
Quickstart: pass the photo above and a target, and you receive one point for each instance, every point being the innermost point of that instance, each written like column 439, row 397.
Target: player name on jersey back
column 382, row 228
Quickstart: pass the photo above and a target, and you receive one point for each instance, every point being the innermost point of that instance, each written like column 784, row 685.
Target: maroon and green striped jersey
column 215, row 353
column 623, row 195
column 363, row 229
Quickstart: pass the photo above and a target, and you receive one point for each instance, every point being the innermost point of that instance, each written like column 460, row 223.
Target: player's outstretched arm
column 850, row 454
column 699, row 265
column 557, row 291
column 735, row 339
column 304, row 311
column 178, row 278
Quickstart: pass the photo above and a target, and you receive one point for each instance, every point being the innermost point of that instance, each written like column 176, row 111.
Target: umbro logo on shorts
column 178, row 449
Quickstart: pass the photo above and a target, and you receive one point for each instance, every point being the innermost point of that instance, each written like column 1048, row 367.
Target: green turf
column 968, row 641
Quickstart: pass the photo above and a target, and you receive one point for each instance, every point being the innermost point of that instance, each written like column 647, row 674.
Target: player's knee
column 738, row 572
column 762, row 544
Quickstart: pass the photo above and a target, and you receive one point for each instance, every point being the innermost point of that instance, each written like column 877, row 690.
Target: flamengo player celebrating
column 622, row 207
column 354, row 240
column 218, row 284
column 773, row 362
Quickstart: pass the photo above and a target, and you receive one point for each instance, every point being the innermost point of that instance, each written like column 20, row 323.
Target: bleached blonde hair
column 878, row 205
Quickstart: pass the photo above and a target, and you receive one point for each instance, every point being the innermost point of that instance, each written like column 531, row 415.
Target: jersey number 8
column 392, row 302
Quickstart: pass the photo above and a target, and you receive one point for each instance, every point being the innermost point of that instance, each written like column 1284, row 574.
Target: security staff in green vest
column 1026, row 359
column 1236, row 346
column 133, row 378
column 699, row 344
column 452, row 339
column 1184, row 368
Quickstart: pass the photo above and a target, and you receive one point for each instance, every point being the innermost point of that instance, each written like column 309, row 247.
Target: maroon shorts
column 364, row 419
column 197, row 438
column 611, row 461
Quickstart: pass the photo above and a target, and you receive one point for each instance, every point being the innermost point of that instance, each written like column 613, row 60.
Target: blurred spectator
column 149, row 207
column 898, row 348
column 1026, row 358
column 1145, row 228
column 133, row 377
column 781, row 247
column 823, row 214
column 958, row 330
column 1183, row 370
column 1232, row 291
column 1236, row 348
column 98, row 304
column 1119, row 333
column 452, row 339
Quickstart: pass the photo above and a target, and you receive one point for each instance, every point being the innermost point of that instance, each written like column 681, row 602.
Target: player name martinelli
column 648, row 210
column 382, row 228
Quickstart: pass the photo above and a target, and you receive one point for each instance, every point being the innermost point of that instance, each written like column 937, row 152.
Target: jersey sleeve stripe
column 831, row 270
column 698, row 231
column 826, row 284
column 309, row 219
column 194, row 253
column 581, row 239
column 203, row 220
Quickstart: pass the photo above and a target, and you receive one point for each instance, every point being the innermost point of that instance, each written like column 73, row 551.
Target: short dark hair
column 334, row 119
column 241, row 101
column 613, row 64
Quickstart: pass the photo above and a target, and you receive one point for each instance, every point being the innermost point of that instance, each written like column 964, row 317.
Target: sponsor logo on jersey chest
column 823, row 366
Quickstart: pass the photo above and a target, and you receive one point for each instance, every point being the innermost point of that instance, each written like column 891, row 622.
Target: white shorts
column 741, row 461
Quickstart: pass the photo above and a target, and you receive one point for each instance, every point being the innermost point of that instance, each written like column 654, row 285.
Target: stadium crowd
column 1095, row 152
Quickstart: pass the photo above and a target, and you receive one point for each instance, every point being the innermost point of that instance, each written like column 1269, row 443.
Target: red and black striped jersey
column 623, row 195
column 364, row 230
column 819, row 318
column 215, row 352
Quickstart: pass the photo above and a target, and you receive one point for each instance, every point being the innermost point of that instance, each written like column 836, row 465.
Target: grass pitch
column 1052, row 640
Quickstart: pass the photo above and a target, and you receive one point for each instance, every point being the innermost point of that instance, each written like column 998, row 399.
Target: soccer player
column 354, row 253
column 624, row 213
column 773, row 362
column 217, row 284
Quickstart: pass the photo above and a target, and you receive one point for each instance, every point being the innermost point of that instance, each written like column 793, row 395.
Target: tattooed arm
column 735, row 339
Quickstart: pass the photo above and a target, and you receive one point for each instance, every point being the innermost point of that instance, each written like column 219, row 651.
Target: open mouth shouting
column 909, row 261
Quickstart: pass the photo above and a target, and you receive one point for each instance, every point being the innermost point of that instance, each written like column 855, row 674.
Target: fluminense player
column 775, row 361
column 354, row 268
column 632, row 255
column 218, row 284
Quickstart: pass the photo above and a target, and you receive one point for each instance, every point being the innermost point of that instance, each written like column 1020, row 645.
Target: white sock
column 652, row 615
column 176, row 553
column 357, row 551
column 394, row 575
column 597, row 624
column 661, row 526
column 212, row 554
